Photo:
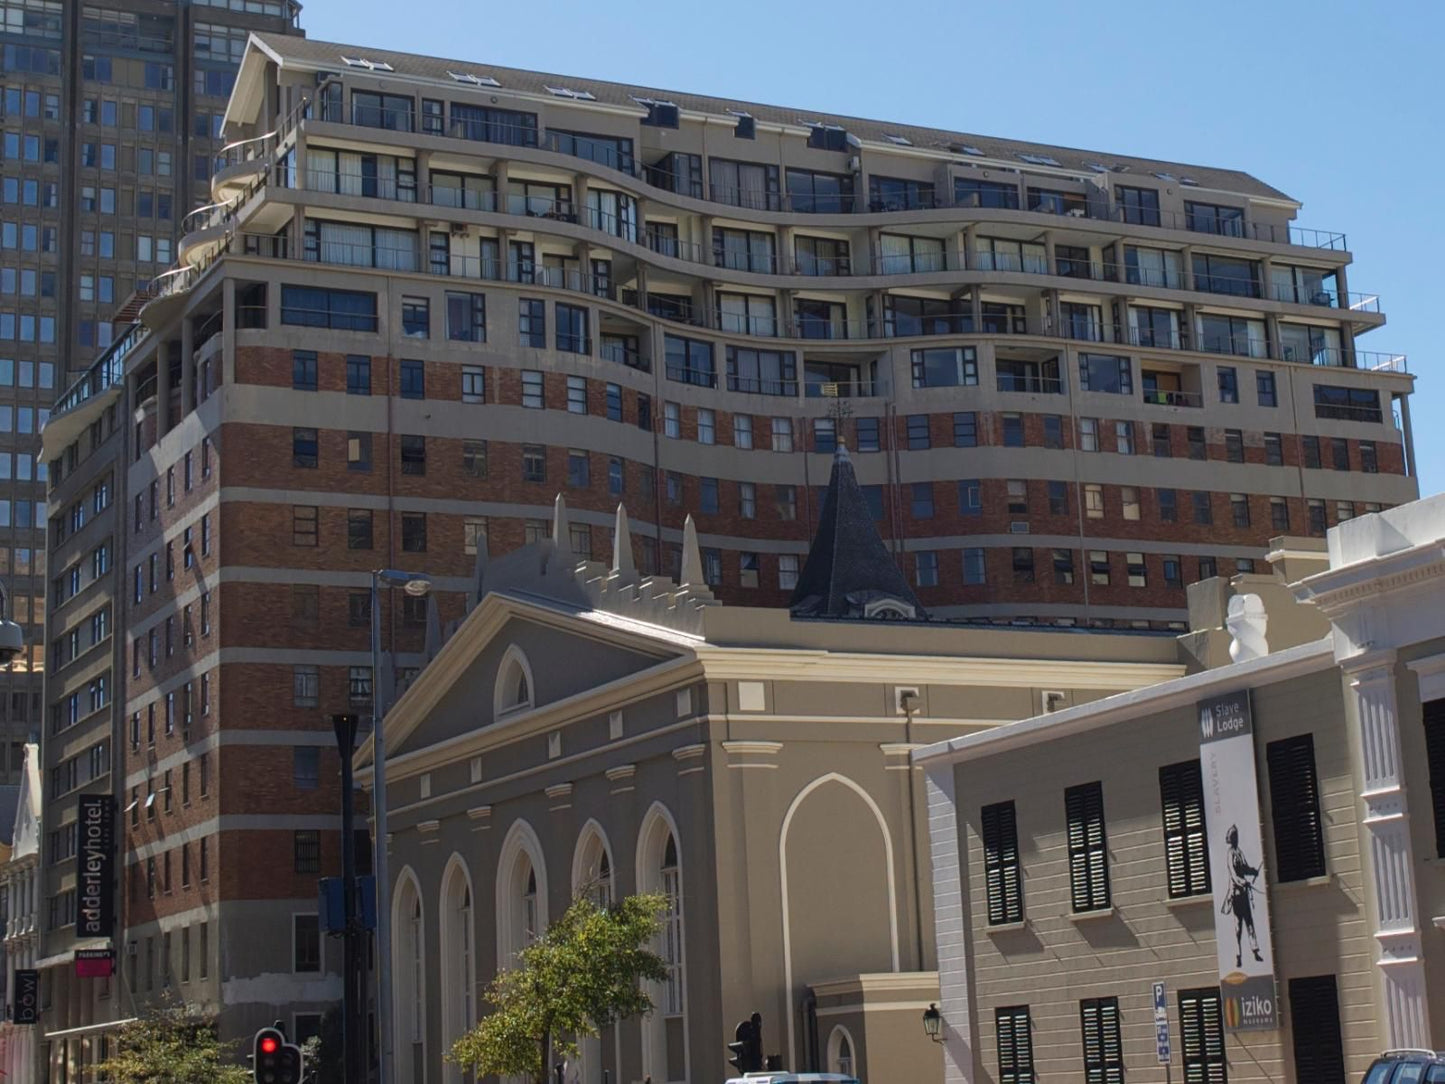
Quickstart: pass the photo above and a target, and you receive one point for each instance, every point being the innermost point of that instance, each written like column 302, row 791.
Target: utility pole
column 353, row 1028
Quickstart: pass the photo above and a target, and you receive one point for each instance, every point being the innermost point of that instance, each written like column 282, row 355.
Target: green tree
column 171, row 1044
column 579, row 977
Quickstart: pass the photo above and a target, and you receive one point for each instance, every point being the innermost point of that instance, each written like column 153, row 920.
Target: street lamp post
column 416, row 585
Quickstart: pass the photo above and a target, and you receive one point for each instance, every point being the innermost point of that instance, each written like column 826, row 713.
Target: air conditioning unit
column 1018, row 526
column 459, row 229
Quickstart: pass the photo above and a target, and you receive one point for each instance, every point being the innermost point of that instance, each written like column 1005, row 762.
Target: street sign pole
column 1162, row 1046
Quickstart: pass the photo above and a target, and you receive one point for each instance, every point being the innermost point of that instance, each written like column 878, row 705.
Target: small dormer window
column 1039, row 159
column 659, row 114
column 474, row 80
column 898, row 140
column 828, row 137
column 576, row 95
column 747, row 126
column 514, row 683
column 369, row 65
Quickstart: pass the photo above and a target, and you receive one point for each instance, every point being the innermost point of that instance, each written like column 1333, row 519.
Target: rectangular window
column 466, row 318
column 918, row 436
column 576, row 395
column 1013, row 430
column 306, row 943
column 304, row 525
column 1088, row 848
column 945, row 368
column 533, row 395
column 965, row 429
column 1105, row 373
column 413, row 379
column 975, row 570
column 358, row 529
column 534, row 463
column 1059, row 499
column 787, row 571
column 1015, row 1045
column 1274, row 449
column 1201, row 1036
column 1063, row 566
column 1168, row 505
column 1239, row 509
column 742, row 431
column 572, row 329
column 1265, row 387
column 1434, row 716
column 358, row 374
column 413, row 532
column 303, row 370
column 1203, row 508
column 1294, row 799
column 970, row 497
column 1088, row 434
column 1234, row 445
column 1369, row 457
column 1103, row 1049
column 921, row 505
column 1314, row 1009
column 303, row 447
column 1279, row 514
column 926, row 568
column 532, row 322
column 1002, row 873
column 1186, row 848
column 1136, row 569
column 413, row 454
column 1124, row 438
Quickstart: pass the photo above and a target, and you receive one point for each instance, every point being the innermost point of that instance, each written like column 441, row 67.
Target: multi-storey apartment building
column 435, row 293
column 109, row 125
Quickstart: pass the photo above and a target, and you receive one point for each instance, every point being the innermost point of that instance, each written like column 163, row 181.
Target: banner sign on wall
column 95, row 906
column 27, row 996
column 1236, row 863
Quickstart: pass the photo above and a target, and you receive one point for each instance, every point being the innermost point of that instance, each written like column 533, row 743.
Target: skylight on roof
column 1121, row 167
column 568, row 92
column 369, row 65
column 1163, row 176
column 1097, row 168
column 965, row 148
column 475, row 80
column 1039, row 159
column 1189, row 181
column 899, row 140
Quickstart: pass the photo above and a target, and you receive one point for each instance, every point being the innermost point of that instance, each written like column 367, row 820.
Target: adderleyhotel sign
column 95, row 908
column 1236, row 863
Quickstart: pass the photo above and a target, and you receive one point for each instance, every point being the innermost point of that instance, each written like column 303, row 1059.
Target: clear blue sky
column 1336, row 102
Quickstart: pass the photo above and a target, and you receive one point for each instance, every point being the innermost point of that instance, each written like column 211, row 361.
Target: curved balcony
column 803, row 331
column 765, row 265
column 826, row 210
column 168, row 292
column 203, row 233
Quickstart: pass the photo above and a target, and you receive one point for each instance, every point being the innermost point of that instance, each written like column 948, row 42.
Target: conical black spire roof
column 849, row 572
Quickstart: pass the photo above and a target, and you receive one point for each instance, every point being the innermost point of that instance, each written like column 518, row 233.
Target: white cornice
column 1122, row 707
column 761, row 664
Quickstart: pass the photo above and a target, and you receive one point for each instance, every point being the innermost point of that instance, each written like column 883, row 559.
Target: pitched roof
column 848, row 567
column 328, row 55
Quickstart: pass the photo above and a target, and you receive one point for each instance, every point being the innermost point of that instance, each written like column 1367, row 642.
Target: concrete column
column 1186, row 270
column 951, row 925
column 580, row 185
column 499, row 178
column 1053, row 267
column 228, row 329
column 967, row 261
column 163, row 390
column 1390, row 859
column 875, row 251
column 423, row 177
column 787, row 257
column 188, row 366
column 1266, row 283
column 1408, row 434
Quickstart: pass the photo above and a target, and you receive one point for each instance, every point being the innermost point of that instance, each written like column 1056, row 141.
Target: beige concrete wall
column 1055, row 958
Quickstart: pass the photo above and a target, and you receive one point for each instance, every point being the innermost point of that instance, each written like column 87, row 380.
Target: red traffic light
column 269, row 1045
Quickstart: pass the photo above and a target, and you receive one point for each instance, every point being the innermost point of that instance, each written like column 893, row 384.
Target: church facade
column 588, row 728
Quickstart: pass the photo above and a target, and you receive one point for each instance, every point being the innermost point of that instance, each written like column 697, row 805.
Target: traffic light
column 747, row 1046
column 276, row 1061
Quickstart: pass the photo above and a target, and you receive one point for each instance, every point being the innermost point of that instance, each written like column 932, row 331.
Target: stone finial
column 1246, row 621
column 691, row 574
column 622, row 543
column 561, row 529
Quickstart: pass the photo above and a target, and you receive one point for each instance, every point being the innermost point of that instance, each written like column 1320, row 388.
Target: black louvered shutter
column 1435, row 754
column 1001, row 864
column 1015, row 1045
column 1201, row 1028
column 1314, row 1009
column 1186, row 850
column 1103, row 1051
column 1294, row 795
column 1088, row 849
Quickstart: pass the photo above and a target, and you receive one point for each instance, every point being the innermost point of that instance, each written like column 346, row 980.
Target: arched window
column 521, row 893
column 840, row 1052
column 408, row 954
column 458, row 960
column 514, row 687
column 659, row 870
column 592, row 866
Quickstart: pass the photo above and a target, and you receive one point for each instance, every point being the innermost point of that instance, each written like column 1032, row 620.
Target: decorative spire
column 479, row 573
column 561, row 529
column 849, row 572
column 692, row 574
column 622, row 543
